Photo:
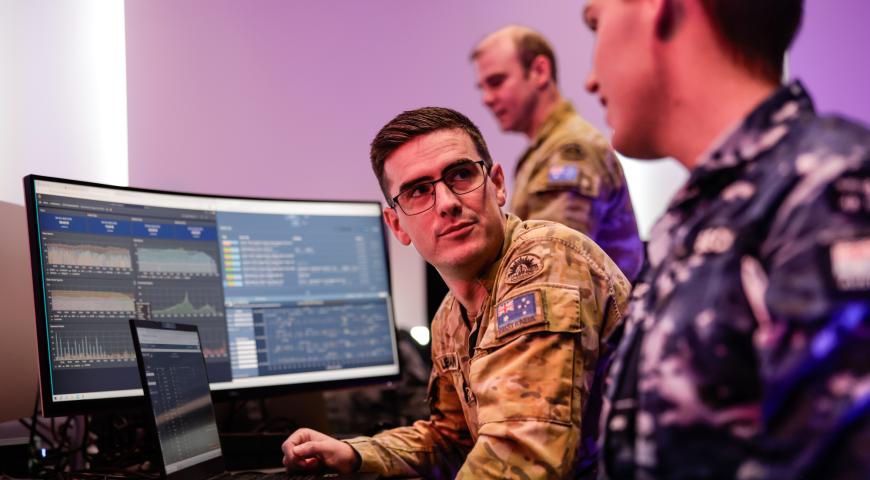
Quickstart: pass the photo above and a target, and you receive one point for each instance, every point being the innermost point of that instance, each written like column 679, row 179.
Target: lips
column 456, row 228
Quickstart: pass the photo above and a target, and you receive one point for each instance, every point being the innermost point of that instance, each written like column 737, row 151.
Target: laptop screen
column 173, row 365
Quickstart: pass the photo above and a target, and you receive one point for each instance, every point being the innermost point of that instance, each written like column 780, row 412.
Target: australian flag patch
column 518, row 312
column 562, row 173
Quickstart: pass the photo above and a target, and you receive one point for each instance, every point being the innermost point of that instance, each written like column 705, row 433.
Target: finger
column 287, row 447
column 303, row 435
column 305, row 463
column 308, row 449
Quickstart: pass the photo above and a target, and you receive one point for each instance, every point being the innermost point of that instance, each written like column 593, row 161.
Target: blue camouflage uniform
column 746, row 353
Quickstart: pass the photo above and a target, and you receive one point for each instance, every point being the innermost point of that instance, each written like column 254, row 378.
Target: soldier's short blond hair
column 529, row 45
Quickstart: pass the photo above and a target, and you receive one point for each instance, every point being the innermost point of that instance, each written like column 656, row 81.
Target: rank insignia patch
column 562, row 174
column 519, row 312
column 524, row 267
column 572, row 152
column 448, row 362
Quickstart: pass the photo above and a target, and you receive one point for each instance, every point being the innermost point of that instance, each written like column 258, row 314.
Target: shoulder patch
column 851, row 194
column 562, row 173
column 524, row 267
column 572, row 151
column 850, row 265
column 519, row 312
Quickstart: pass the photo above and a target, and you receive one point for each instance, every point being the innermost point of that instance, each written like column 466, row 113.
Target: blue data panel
column 308, row 338
column 106, row 262
column 286, row 258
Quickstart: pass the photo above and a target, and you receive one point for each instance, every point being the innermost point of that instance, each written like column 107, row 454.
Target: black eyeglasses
column 460, row 179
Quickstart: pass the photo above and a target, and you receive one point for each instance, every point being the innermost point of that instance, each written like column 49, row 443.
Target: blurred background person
column 746, row 353
column 568, row 173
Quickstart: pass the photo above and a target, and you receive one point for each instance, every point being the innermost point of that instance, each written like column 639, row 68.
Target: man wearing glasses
column 514, row 390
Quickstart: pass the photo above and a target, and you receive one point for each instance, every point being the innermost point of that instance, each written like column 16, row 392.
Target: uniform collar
column 488, row 277
column 761, row 131
column 560, row 113
column 512, row 222
column 563, row 110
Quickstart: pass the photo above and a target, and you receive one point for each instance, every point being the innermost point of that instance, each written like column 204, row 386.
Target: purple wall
column 279, row 98
column 832, row 56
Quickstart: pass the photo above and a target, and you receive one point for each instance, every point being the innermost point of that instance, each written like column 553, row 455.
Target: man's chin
column 634, row 147
column 460, row 262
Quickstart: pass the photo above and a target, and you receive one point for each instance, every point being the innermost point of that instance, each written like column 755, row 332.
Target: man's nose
column 488, row 97
column 446, row 202
column 592, row 82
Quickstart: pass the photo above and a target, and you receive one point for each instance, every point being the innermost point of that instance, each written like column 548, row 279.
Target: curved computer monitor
column 288, row 295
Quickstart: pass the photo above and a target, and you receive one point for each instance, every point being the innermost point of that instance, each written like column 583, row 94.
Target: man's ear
column 496, row 174
column 541, row 70
column 391, row 218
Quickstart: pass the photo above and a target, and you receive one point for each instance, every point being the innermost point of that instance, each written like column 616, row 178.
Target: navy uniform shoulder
column 835, row 134
column 830, row 158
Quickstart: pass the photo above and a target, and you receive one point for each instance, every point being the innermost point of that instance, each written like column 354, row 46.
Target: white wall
column 63, row 112
column 652, row 184
column 63, row 91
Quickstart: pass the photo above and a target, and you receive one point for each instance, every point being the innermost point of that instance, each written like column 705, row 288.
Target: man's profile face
column 506, row 88
column 624, row 73
column 460, row 232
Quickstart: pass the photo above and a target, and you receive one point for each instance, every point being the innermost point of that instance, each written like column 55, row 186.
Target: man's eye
column 461, row 173
column 419, row 190
column 495, row 81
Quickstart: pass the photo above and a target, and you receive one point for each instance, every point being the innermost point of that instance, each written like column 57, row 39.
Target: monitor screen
column 286, row 294
column 173, row 372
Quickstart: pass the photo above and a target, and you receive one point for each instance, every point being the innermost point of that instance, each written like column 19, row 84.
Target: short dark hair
column 758, row 32
column 415, row 123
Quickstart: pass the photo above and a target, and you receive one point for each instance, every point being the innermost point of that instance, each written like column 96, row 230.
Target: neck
column 705, row 122
column 548, row 100
column 708, row 93
column 470, row 293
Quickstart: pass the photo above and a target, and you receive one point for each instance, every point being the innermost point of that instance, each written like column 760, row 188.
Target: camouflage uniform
column 569, row 175
column 746, row 353
column 506, row 394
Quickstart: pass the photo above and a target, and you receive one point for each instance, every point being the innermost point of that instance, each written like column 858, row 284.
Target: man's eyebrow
column 428, row 178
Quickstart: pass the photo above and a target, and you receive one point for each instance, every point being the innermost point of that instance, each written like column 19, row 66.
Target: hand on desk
column 308, row 449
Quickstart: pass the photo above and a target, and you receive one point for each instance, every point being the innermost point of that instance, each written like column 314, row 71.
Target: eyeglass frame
column 394, row 202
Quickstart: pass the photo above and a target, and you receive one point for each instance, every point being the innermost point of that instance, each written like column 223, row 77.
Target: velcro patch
column 850, row 265
column 519, row 312
column 448, row 362
column 572, row 152
column 563, row 174
column 851, row 195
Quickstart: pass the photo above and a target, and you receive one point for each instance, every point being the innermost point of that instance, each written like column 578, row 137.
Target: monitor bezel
column 52, row 408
